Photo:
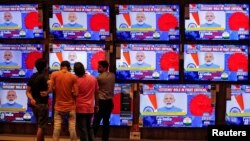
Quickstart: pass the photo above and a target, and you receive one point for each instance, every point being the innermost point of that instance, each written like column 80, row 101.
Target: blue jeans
column 84, row 126
column 58, row 116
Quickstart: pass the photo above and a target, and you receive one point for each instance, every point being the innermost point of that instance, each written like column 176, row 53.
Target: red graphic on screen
column 99, row 22
column 167, row 21
column 169, row 60
column 31, row 59
column 238, row 20
column 32, row 20
column 98, row 56
column 238, row 61
column 200, row 104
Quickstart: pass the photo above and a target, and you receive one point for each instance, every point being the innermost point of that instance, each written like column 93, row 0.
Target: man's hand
column 44, row 93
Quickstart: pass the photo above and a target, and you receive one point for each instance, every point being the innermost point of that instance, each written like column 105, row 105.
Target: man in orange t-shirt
column 66, row 90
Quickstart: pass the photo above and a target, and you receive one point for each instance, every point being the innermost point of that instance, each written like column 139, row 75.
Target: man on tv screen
column 7, row 57
column 72, row 58
column 11, row 97
column 140, row 57
column 72, row 17
column 169, row 100
column 140, row 18
column 7, row 16
column 209, row 57
column 210, row 17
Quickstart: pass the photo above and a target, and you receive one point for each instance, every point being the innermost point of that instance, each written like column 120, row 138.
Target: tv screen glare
column 14, row 105
column 21, row 21
column 238, row 107
column 176, row 105
column 148, row 22
column 215, row 62
column 121, row 114
column 87, row 54
column 18, row 60
column 148, row 62
column 217, row 22
column 80, row 22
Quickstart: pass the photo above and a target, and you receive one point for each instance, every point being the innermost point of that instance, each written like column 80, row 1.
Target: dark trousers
column 105, row 109
column 84, row 127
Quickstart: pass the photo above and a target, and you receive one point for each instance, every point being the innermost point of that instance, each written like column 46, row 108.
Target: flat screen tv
column 148, row 62
column 18, row 60
column 14, row 105
column 203, row 62
column 148, row 22
column 87, row 54
column 217, row 22
column 21, row 21
column 176, row 105
column 238, row 107
column 80, row 22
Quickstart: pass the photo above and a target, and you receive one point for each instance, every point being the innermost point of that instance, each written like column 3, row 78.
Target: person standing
column 65, row 87
column 37, row 84
column 106, row 82
column 86, row 100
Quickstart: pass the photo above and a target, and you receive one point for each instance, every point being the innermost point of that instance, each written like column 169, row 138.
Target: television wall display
column 148, row 22
column 217, row 22
column 148, row 62
column 21, row 21
column 238, row 107
column 87, row 54
column 80, row 22
column 18, row 60
column 14, row 105
column 216, row 62
column 176, row 105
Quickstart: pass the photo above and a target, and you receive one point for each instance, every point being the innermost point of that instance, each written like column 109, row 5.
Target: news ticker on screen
column 225, row 132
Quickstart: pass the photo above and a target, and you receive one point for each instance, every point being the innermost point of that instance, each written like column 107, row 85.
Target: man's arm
column 75, row 87
column 29, row 95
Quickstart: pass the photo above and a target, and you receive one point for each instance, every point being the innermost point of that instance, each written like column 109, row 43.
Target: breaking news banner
column 226, row 132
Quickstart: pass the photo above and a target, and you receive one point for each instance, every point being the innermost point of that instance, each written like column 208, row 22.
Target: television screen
column 148, row 62
column 18, row 60
column 14, row 103
column 122, row 111
column 20, row 21
column 87, row 54
column 215, row 62
column 217, row 22
column 148, row 22
column 238, row 108
column 80, row 22
column 176, row 105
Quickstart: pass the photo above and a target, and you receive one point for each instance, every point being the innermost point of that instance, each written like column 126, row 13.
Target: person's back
column 106, row 81
column 63, row 83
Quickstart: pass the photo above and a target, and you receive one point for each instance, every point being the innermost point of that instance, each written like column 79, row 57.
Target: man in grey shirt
column 106, row 82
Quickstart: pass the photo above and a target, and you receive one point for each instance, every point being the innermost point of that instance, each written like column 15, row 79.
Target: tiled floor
column 32, row 138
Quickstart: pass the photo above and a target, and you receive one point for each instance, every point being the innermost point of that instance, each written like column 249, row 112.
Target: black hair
column 79, row 69
column 103, row 63
column 66, row 64
column 40, row 64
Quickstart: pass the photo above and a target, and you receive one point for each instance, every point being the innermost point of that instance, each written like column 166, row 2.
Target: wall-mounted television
column 14, row 103
column 176, row 105
column 203, row 62
column 122, row 112
column 87, row 54
column 148, row 22
column 18, row 60
column 21, row 21
column 148, row 62
column 238, row 107
column 217, row 22
column 80, row 22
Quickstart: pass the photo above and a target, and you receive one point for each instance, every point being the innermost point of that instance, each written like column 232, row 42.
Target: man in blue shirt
column 140, row 56
column 72, row 21
column 11, row 96
column 169, row 107
column 8, row 56
column 8, row 23
column 210, row 21
column 140, row 17
column 209, row 57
